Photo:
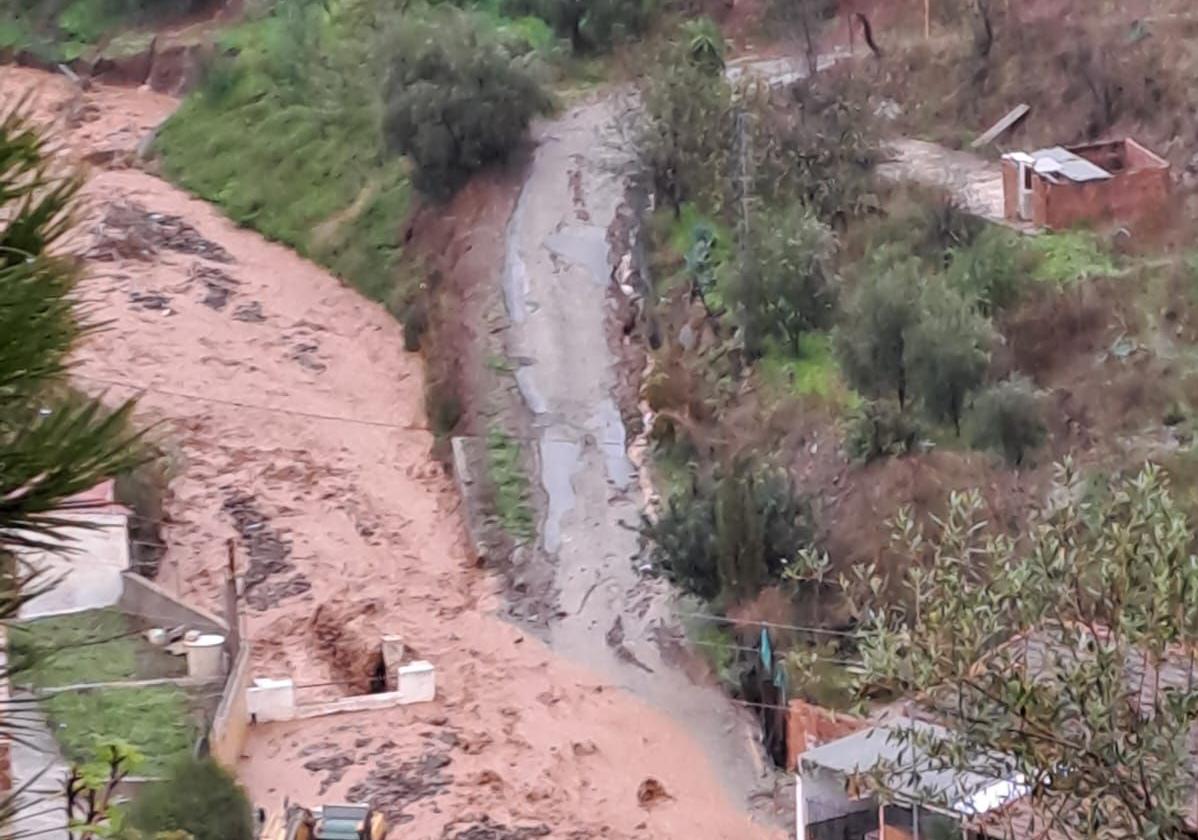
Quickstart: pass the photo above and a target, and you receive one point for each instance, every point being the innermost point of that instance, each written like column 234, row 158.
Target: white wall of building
column 88, row 567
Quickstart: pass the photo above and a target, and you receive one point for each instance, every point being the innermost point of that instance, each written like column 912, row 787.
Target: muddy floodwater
column 292, row 421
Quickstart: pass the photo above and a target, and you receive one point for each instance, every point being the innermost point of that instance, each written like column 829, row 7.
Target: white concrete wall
column 417, row 683
column 88, row 567
column 268, row 700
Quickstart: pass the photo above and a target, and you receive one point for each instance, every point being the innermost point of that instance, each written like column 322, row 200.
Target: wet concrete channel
column 557, row 278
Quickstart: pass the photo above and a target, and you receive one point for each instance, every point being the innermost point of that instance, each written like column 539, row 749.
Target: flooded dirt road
column 558, row 286
column 293, row 422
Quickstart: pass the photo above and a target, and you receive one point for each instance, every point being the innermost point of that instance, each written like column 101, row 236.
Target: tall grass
column 284, row 136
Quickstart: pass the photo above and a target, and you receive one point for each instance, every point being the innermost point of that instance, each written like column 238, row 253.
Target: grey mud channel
column 556, row 279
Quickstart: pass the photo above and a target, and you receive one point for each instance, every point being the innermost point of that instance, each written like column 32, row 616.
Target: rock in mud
column 651, row 792
column 250, row 312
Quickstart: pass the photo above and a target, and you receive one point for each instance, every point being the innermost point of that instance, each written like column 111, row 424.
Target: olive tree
column 875, row 325
column 685, row 131
column 787, row 283
column 946, row 352
column 1063, row 658
column 454, row 100
column 1008, row 418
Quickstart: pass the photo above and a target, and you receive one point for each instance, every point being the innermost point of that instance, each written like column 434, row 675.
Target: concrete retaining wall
column 143, row 597
column 231, row 723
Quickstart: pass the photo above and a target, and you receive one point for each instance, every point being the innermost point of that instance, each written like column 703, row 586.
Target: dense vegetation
column 454, row 100
column 198, row 797
column 64, row 31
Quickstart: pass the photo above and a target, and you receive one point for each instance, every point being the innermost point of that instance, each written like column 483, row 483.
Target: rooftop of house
column 1087, row 162
column 899, row 746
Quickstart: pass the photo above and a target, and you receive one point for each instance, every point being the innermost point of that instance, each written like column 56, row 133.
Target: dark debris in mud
column 152, row 301
column 488, row 829
column 250, row 313
column 269, row 555
column 218, row 285
column 393, row 785
column 128, row 230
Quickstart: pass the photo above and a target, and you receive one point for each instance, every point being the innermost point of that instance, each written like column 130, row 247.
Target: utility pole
column 927, row 20
column 232, row 601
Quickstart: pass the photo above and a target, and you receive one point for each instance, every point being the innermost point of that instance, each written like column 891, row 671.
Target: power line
column 721, row 619
column 311, row 415
column 743, row 649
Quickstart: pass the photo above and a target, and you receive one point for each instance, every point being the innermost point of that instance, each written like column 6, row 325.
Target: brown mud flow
column 303, row 415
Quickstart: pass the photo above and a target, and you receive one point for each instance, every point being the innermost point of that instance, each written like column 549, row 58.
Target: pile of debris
column 128, row 231
column 268, row 552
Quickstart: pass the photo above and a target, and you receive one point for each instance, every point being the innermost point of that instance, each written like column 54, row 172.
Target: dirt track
column 558, row 283
column 245, row 361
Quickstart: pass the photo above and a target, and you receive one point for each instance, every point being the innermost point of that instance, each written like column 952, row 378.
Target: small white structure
column 273, row 700
column 205, row 655
column 88, row 567
column 268, row 700
column 417, row 682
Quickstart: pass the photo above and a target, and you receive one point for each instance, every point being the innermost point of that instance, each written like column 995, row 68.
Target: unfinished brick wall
column 808, row 726
column 1010, row 189
column 1126, row 197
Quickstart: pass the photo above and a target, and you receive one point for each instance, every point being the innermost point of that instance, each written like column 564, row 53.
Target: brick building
column 1059, row 187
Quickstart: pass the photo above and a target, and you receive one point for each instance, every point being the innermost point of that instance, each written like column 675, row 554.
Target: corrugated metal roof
column 1069, row 165
column 916, row 776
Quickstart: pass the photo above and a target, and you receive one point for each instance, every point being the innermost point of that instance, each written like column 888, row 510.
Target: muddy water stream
column 286, row 404
column 557, row 278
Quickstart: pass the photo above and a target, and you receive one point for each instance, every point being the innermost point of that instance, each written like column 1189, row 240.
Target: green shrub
column 685, row 133
column 294, row 100
column 590, row 25
column 787, row 284
column 880, row 429
column 1008, row 418
column 732, row 534
column 198, row 797
column 454, row 100
column 994, row 271
column 704, row 43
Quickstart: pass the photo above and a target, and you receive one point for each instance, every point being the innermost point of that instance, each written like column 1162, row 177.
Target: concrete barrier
column 230, row 724
column 144, row 598
column 417, row 682
column 270, row 700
